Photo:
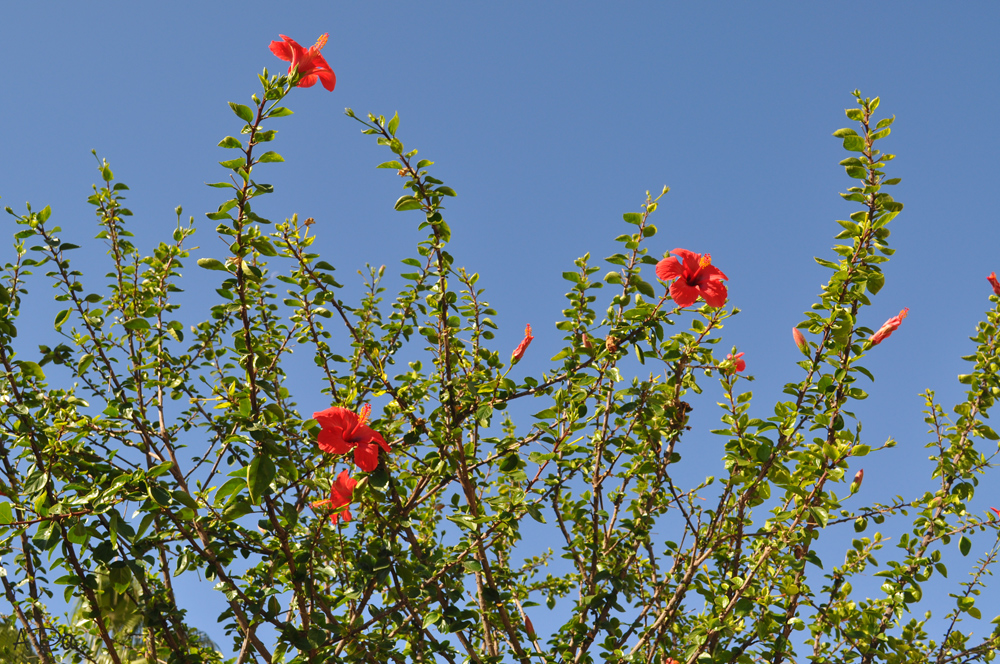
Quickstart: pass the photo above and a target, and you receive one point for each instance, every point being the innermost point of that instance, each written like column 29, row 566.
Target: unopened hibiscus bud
column 528, row 627
column 800, row 340
column 996, row 511
column 587, row 343
column 858, row 479
column 523, row 346
column 993, row 282
column 888, row 327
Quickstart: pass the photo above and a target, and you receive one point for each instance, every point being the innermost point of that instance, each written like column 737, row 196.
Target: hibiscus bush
column 425, row 515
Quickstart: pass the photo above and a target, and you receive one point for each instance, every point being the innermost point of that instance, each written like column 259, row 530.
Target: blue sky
column 550, row 120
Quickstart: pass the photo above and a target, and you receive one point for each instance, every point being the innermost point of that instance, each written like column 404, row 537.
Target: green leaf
column 6, row 515
column 230, row 142
column 875, row 282
column 212, row 264
column 243, row 112
column 407, row 203
column 279, row 112
column 445, row 191
column 854, row 144
column 390, row 164
column 270, row 157
column 394, row 124
column 31, row 369
column 844, row 133
column 84, row 363
column 633, row 218
column 964, row 545
column 61, row 319
column 642, row 286
column 885, row 122
column 263, row 245
column 234, row 164
column 136, row 324
column 259, row 477
column 854, row 114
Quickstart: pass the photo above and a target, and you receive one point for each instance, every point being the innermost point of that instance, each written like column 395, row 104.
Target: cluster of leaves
column 202, row 441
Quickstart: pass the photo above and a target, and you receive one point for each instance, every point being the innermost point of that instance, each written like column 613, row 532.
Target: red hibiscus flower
column 738, row 363
column 993, row 282
column 523, row 346
column 340, row 497
column 696, row 277
column 307, row 63
column 343, row 430
column 888, row 327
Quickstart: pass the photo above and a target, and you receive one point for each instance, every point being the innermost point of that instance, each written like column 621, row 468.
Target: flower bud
column 800, row 340
column 858, row 479
column 523, row 346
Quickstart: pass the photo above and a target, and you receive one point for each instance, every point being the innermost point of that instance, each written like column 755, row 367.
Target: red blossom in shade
column 696, row 277
column 738, row 362
column 800, row 340
column 307, row 63
column 993, row 282
column 340, row 497
column 888, row 327
column 523, row 346
column 343, row 430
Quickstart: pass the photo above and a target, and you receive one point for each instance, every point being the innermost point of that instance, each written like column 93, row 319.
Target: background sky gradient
column 550, row 120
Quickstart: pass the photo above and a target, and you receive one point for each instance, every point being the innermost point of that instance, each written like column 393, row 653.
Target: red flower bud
column 523, row 346
column 888, row 327
column 800, row 340
column 993, row 282
column 859, row 477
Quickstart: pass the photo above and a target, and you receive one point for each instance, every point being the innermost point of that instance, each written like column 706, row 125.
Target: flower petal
column 712, row 272
column 327, row 78
column 336, row 418
column 714, row 292
column 684, row 294
column 669, row 268
column 284, row 49
column 692, row 261
column 366, row 456
column 332, row 441
column 363, row 434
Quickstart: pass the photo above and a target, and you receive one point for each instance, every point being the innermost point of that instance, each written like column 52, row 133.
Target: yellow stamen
column 321, row 42
column 364, row 413
column 705, row 261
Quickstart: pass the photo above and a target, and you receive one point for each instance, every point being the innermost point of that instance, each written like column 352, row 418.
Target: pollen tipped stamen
column 321, row 42
column 363, row 414
column 705, row 261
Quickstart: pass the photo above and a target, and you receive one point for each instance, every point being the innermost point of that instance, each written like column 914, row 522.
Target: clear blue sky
column 550, row 120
